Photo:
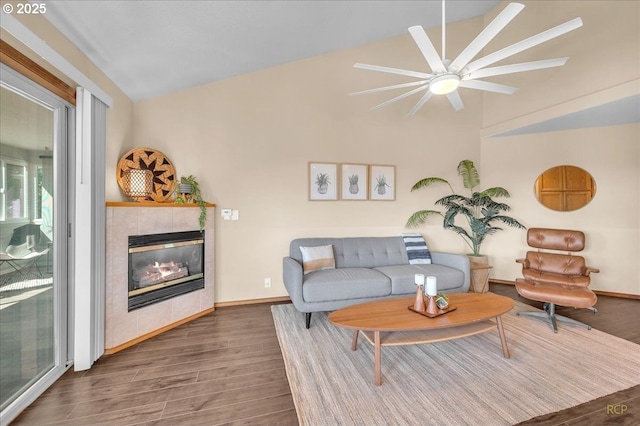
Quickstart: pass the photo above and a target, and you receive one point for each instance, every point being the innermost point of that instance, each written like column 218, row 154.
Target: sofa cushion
column 344, row 283
column 317, row 258
column 403, row 282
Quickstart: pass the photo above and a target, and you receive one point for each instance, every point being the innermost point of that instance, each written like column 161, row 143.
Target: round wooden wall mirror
column 565, row 188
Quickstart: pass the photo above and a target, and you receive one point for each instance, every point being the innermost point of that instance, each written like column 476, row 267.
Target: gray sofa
column 366, row 269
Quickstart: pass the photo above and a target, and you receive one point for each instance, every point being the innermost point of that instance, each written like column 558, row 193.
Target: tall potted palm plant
column 481, row 213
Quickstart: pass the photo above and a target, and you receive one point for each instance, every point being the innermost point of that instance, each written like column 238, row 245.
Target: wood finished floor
column 227, row 369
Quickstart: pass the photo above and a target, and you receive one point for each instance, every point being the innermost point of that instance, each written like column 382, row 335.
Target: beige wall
column 249, row 140
column 611, row 154
column 610, row 222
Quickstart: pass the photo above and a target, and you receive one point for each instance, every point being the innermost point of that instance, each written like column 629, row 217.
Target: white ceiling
column 150, row 48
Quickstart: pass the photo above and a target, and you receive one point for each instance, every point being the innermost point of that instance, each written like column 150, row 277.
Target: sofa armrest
column 292, row 277
column 457, row 261
column 524, row 262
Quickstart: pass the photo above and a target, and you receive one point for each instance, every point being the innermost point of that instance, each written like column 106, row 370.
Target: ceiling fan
column 446, row 76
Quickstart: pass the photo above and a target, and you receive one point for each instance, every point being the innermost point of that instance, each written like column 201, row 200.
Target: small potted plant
column 322, row 181
column 188, row 191
column 353, row 184
column 381, row 184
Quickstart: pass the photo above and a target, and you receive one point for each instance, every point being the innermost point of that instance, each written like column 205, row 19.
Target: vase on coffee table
column 419, row 304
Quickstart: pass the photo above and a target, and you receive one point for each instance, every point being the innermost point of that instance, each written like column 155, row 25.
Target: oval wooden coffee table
column 402, row 326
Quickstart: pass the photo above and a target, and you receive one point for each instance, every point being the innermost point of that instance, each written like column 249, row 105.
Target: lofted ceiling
column 150, row 48
column 621, row 111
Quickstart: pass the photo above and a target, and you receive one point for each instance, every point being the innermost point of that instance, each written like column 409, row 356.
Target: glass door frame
column 64, row 135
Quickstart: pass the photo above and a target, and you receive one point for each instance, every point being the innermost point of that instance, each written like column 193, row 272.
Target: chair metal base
column 549, row 315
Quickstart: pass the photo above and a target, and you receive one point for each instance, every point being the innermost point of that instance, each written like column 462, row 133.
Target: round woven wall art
column 164, row 174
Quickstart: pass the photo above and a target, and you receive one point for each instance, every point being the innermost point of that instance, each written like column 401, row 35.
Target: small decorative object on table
column 419, row 304
column 437, row 303
column 431, row 290
column 442, row 301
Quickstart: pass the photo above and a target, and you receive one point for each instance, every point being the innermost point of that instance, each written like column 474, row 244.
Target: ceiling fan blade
column 408, row 73
column 525, row 44
column 488, row 86
column 513, row 68
column 397, row 98
column 500, row 21
column 456, row 101
column 426, row 47
column 423, row 100
column 382, row 89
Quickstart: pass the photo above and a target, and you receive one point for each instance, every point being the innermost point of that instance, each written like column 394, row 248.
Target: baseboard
column 506, row 282
column 620, row 295
column 253, row 301
column 111, row 351
column 598, row 292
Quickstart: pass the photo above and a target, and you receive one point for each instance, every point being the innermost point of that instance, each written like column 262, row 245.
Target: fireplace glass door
column 162, row 266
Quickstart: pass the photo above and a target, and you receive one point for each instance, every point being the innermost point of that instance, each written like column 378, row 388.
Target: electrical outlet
column 267, row 283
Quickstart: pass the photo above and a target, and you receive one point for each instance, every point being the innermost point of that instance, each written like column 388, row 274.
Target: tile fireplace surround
column 123, row 328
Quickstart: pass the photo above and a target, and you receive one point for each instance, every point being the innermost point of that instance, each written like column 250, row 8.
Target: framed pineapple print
column 354, row 181
column 323, row 181
column 382, row 182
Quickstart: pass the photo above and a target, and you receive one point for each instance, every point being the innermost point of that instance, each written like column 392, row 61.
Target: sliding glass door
column 33, row 240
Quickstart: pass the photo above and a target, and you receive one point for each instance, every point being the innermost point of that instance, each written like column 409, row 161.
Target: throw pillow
column 317, row 258
column 417, row 250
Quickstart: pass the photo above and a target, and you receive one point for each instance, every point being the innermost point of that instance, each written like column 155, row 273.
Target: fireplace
column 162, row 266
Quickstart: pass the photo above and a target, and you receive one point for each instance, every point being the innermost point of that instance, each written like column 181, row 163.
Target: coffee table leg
column 354, row 343
column 377, row 358
column 503, row 338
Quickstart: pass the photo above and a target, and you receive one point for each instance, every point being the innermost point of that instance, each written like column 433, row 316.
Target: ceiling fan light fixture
column 444, row 84
column 446, row 76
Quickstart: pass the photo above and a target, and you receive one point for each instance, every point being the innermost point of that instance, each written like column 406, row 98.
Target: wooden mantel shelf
column 152, row 204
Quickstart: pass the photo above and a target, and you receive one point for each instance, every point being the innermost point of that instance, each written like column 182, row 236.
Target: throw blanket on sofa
column 417, row 249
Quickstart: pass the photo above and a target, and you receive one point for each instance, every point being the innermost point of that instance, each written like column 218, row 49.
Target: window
column 14, row 192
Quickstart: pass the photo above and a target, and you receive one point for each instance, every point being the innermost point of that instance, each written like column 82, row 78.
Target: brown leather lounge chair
column 556, row 278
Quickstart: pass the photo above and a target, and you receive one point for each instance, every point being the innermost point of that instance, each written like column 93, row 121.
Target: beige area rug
column 458, row 382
